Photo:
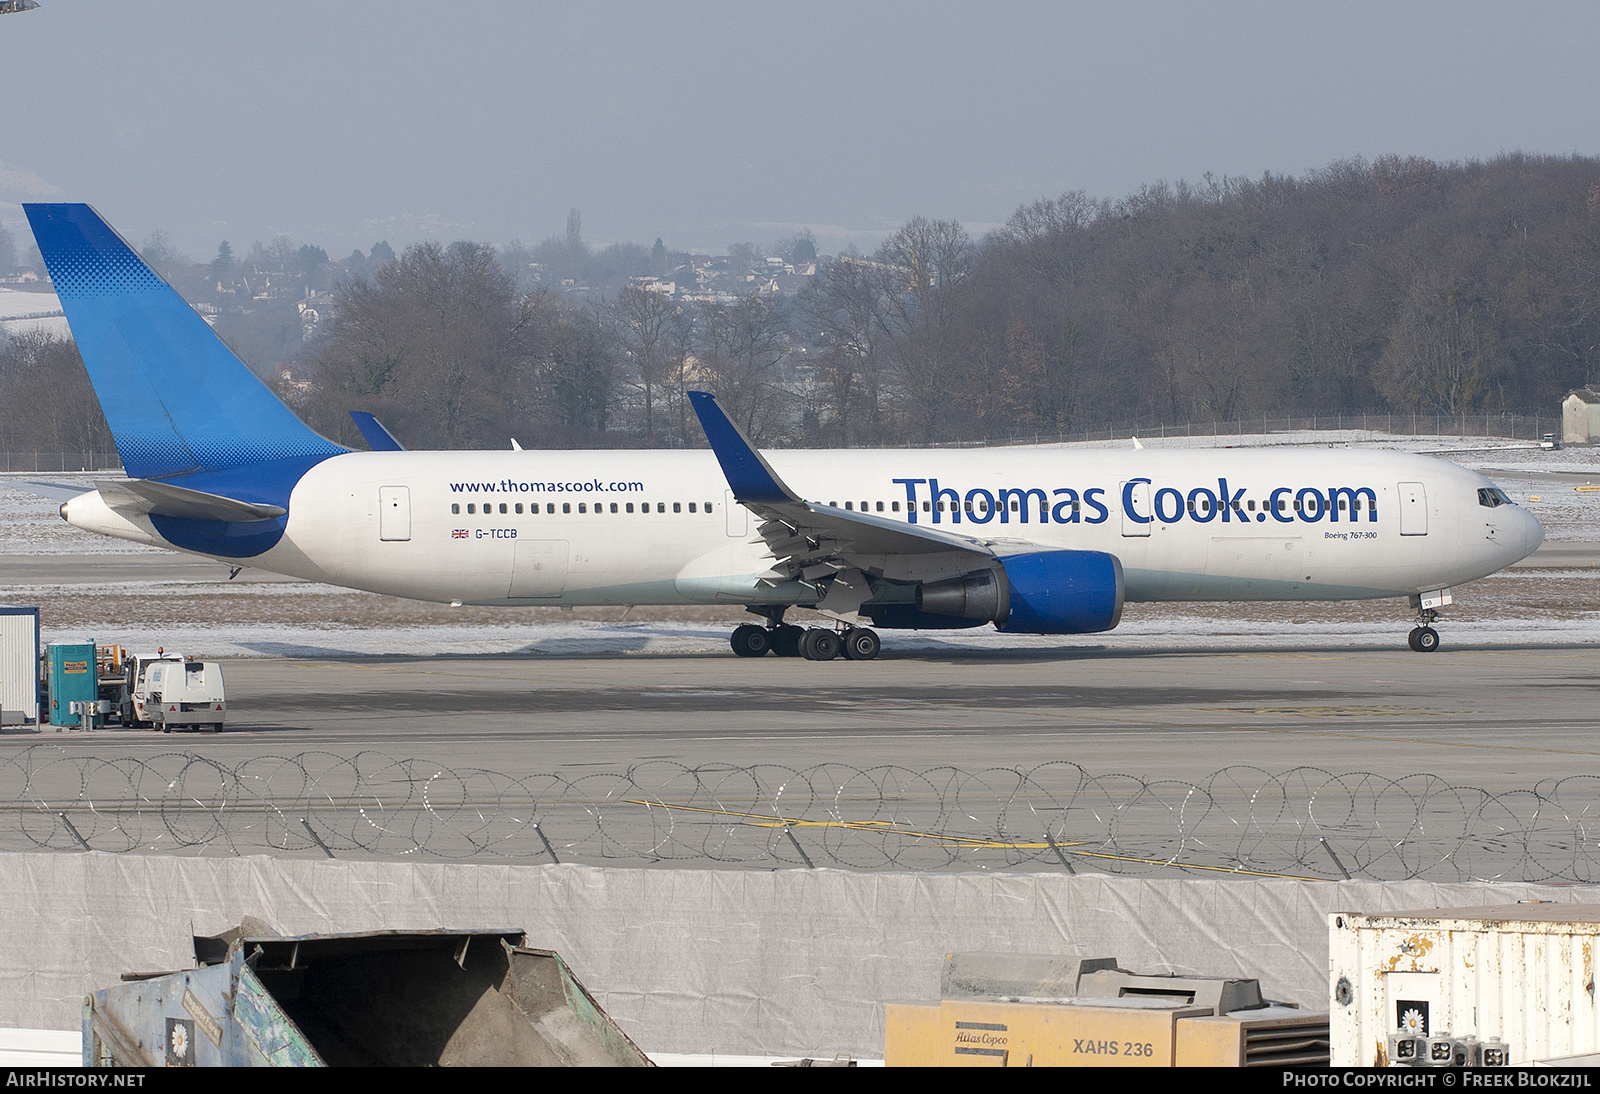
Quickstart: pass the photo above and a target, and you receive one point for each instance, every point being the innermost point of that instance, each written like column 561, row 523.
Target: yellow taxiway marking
column 761, row 820
column 1336, row 712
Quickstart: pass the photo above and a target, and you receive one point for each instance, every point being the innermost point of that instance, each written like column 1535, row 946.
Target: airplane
column 1028, row 540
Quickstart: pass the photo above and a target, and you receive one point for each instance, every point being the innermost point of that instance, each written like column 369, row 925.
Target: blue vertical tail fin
column 177, row 399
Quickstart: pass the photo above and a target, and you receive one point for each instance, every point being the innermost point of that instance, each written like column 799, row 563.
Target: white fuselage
column 445, row 526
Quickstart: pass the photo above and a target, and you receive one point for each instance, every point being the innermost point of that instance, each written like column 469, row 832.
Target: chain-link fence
column 1304, row 822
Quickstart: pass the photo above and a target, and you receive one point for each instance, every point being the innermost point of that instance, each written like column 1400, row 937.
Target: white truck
column 169, row 691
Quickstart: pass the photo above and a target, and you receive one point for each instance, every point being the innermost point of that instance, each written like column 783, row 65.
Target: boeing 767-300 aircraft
column 1033, row 541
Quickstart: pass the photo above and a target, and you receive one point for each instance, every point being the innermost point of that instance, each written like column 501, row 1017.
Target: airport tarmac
column 1491, row 718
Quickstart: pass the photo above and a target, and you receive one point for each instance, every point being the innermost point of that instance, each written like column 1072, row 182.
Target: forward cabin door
column 394, row 513
column 1413, row 509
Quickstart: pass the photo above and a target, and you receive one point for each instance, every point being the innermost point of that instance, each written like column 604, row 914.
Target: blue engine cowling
column 1062, row 592
column 1043, row 592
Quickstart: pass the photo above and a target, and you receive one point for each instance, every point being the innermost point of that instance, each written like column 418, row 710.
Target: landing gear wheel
column 1425, row 640
column 1411, row 639
column 786, row 640
column 749, row 640
column 819, row 645
column 861, row 644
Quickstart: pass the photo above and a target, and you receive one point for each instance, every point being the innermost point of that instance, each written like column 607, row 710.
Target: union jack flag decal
column 459, row 533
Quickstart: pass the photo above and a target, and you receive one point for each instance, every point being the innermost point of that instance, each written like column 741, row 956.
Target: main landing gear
column 812, row 643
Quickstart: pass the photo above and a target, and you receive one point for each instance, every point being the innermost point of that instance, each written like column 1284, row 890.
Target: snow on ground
column 255, row 618
column 22, row 312
column 32, row 525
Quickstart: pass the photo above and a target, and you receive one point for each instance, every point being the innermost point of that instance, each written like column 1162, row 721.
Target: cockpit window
column 1492, row 496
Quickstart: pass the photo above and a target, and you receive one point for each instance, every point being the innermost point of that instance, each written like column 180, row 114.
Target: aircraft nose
column 1532, row 533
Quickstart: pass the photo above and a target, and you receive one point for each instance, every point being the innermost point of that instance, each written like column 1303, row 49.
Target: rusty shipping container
column 1518, row 976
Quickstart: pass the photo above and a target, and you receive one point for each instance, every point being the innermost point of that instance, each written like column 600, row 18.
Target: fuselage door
column 1136, row 513
column 394, row 513
column 738, row 516
column 1413, row 509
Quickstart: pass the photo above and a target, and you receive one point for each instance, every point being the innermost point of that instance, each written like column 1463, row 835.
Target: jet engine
column 1043, row 592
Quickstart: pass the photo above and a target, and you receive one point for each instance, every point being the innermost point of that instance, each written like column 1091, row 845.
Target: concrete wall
column 1580, row 421
column 777, row 962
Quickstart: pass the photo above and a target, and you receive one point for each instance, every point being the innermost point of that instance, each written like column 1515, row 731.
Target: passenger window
column 471, row 508
column 880, row 507
column 865, row 507
column 550, row 508
column 566, row 507
column 583, row 507
column 927, row 507
column 849, row 505
column 691, row 507
column 502, row 507
column 519, row 507
column 833, row 505
column 1252, row 504
column 661, row 507
column 630, row 507
column 613, row 507
column 708, row 507
column 677, row 507
column 455, row 507
column 895, row 506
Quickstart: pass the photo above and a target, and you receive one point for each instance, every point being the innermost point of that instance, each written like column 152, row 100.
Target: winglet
column 748, row 475
column 378, row 438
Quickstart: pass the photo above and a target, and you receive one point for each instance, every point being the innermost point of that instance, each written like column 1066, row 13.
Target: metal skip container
column 1489, row 985
column 450, row 998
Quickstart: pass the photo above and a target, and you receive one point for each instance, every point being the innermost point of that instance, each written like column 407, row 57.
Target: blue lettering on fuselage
column 930, row 501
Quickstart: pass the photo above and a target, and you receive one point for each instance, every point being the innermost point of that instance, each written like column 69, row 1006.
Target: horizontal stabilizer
column 55, row 491
column 377, row 437
column 164, row 499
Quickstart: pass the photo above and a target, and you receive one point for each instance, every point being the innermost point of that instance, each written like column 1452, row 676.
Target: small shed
column 1580, row 416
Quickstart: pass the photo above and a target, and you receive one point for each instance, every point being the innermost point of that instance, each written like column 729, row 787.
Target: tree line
column 1395, row 284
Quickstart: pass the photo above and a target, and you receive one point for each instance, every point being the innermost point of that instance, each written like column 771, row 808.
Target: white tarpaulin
column 765, row 963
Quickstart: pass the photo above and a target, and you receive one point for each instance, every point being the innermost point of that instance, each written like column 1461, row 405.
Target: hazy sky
column 342, row 123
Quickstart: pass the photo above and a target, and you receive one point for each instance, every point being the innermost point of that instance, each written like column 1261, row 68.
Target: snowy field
column 252, row 617
column 22, row 312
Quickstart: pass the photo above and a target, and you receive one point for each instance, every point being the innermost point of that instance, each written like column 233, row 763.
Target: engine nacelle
column 1043, row 592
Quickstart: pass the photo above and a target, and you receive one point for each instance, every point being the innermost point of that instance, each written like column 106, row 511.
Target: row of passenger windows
column 583, row 507
column 1205, row 506
column 928, row 506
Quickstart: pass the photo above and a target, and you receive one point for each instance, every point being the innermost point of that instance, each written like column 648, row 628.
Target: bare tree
column 644, row 323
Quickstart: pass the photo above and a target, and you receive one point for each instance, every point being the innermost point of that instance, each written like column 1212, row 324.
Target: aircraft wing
column 809, row 540
column 377, row 437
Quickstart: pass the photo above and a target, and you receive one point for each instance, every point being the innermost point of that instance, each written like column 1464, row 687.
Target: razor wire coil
column 1304, row 822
